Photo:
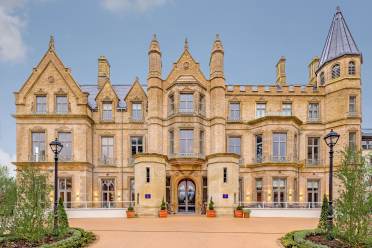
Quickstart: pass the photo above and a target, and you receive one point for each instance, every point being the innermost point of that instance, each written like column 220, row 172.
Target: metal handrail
column 283, row 205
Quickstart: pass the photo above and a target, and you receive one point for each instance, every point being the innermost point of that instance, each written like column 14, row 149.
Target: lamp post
column 56, row 147
column 331, row 140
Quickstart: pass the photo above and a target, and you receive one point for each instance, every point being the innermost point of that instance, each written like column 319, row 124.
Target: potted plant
column 238, row 212
column 130, row 212
column 246, row 213
column 211, row 212
column 163, row 213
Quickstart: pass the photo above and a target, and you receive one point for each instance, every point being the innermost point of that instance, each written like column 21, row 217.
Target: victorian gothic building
column 187, row 137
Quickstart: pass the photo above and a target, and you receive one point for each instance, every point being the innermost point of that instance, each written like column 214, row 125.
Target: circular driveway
column 191, row 231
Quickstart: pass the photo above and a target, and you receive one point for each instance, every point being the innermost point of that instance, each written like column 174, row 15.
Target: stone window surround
column 107, row 101
column 130, row 143
column 320, row 196
column 229, row 109
column 319, row 110
column 142, row 110
column 41, row 94
column 66, row 130
column 38, row 130
column 196, row 97
column 100, row 136
column 233, row 135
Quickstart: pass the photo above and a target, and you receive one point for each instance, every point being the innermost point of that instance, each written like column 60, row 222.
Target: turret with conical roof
column 154, row 58
column 216, row 60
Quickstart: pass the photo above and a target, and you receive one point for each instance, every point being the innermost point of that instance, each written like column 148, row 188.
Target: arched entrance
column 186, row 196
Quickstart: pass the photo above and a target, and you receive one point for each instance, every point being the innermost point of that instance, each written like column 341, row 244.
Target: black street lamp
column 56, row 147
column 331, row 140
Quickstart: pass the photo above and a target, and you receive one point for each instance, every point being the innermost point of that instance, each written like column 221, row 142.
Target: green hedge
column 297, row 239
column 79, row 238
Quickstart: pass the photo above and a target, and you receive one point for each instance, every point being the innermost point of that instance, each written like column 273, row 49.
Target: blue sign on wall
column 225, row 196
column 147, row 196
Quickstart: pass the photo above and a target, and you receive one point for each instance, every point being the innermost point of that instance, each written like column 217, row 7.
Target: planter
column 238, row 213
column 211, row 213
column 163, row 213
column 131, row 214
column 247, row 214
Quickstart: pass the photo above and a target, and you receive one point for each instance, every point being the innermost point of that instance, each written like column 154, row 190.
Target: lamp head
column 331, row 138
column 56, row 146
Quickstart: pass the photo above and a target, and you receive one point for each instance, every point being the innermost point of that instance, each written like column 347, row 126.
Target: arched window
column 321, row 78
column 335, row 71
column 351, row 68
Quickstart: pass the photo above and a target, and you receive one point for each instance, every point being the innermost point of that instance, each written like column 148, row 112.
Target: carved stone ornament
column 186, row 65
column 51, row 79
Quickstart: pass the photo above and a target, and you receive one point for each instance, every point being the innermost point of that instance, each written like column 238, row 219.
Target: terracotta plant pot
column 211, row 213
column 238, row 213
column 247, row 215
column 163, row 213
column 131, row 214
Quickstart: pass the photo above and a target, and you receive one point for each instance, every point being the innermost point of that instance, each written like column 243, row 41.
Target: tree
column 324, row 215
column 63, row 225
column 353, row 207
column 8, row 199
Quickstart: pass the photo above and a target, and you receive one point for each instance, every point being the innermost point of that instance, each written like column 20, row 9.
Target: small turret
column 103, row 71
column 155, row 66
column 281, row 77
column 217, row 58
column 313, row 66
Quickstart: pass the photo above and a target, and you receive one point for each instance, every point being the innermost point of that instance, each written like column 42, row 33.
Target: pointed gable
column 339, row 40
column 107, row 93
column 50, row 73
column 186, row 65
column 135, row 93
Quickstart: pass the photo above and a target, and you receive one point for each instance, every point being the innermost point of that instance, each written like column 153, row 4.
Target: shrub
column 239, row 207
column 211, row 204
column 130, row 208
column 162, row 206
column 324, row 215
column 8, row 199
column 63, row 225
column 78, row 238
column 353, row 207
column 297, row 239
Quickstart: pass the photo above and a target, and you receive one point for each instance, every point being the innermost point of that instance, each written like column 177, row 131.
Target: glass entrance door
column 279, row 191
column 186, row 196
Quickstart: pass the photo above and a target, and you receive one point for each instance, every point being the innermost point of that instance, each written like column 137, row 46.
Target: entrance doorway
column 186, row 196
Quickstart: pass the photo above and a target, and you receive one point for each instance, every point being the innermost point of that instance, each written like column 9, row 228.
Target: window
column 313, row 150
column 137, row 111
column 321, row 78
column 147, row 174
column 186, row 142
column 62, row 104
column 202, row 104
column 241, row 190
column 225, row 175
column 295, row 145
column 259, row 151
column 201, row 142
column 107, row 150
column 367, row 144
column 107, row 111
column 352, row 104
column 234, row 145
column 132, row 194
column 287, row 109
column 136, row 144
column 205, row 190
column 260, row 110
column 168, row 189
column 234, row 113
column 66, row 139
column 279, row 191
column 335, row 71
column 171, row 104
column 313, row 114
column 259, row 189
column 186, row 103
column 279, row 147
column 41, row 105
column 108, row 193
column 171, row 142
column 38, row 146
column 351, row 68
column 352, row 140
column 313, row 193
column 65, row 189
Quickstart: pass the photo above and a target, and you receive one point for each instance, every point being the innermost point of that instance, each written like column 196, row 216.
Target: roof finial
column 51, row 43
column 186, row 44
column 136, row 79
column 338, row 9
column 217, row 37
column 154, row 37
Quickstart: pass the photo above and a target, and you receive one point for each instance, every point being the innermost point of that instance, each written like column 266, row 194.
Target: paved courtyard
column 191, row 231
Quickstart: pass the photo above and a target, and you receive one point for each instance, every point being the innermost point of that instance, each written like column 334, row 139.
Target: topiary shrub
column 324, row 215
column 239, row 207
column 211, row 204
column 163, row 206
column 63, row 225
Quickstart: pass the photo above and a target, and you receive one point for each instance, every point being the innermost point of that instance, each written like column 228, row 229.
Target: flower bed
column 75, row 237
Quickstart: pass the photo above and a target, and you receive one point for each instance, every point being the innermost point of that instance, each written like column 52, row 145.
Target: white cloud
column 6, row 159
column 120, row 6
column 12, row 47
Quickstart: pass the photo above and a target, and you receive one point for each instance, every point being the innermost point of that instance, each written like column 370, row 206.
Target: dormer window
column 186, row 103
column 336, row 71
column 351, row 68
column 61, row 104
column 107, row 111
column 321, row 78
column 137, row 111
column 41, row 104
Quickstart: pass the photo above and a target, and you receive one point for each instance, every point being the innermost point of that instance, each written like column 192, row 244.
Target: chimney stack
column 313, row 66
column 103, row 71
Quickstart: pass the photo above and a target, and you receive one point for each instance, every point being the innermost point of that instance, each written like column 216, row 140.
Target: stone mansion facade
column 187, row 137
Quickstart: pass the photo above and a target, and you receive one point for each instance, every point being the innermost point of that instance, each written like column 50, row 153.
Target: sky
column 255, row 34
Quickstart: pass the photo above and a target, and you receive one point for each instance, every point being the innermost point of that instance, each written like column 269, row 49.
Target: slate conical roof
column 339, row 40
